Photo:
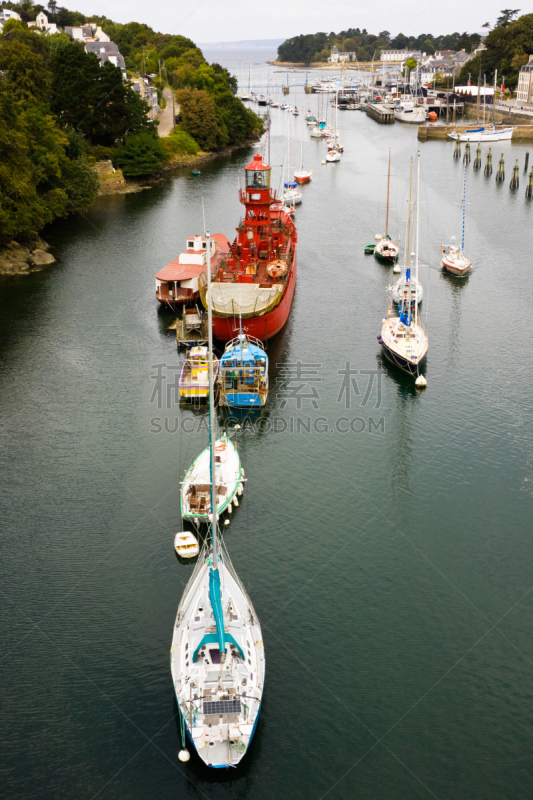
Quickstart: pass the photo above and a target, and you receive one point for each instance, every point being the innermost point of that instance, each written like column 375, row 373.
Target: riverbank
column 23, row 258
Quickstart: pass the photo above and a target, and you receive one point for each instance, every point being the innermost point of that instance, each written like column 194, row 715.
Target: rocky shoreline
column 24, row 258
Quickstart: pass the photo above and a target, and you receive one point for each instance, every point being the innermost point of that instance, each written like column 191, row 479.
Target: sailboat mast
column 417, row 230
column 464, row 209
column 388, row 190
column 410, row 207
column 214, row 543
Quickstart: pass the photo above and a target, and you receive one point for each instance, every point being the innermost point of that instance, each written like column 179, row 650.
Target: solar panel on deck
column 223, row 707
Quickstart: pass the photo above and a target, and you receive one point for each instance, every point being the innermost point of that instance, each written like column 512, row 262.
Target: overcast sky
column 232, row 20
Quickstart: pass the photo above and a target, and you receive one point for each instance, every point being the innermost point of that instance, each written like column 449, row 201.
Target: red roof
column 257, row 163
column 174, row 271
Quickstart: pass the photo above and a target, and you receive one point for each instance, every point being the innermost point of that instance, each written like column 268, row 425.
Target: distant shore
column 362, row 66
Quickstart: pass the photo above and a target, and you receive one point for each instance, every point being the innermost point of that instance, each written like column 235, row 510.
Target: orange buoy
column 432, row 116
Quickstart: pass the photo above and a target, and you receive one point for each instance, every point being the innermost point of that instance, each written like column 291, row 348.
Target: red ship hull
column 263, row 327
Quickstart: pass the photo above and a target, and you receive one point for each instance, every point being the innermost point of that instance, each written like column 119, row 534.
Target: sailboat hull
column 411, row 368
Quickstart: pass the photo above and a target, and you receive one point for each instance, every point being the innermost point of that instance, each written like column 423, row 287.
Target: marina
column 427, row 511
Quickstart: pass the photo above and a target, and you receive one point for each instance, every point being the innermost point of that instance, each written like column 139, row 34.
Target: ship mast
column 417, row 231
column 214, row 542
column 388, row 190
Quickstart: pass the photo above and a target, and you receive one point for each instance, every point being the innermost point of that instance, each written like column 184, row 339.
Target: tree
column 503, row 45
column 199, row 117
column 28, row 78
column 94, row 99
column 13, row 25
column 507, row 16
column 141, row 154
column 410, row 64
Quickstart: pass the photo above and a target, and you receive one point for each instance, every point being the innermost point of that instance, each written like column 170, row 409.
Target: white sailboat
column 403, row 339
column 292, row 196
column 453, row 257
column 196, row 487
column 334, row 152
column 217, row 657
column 386, row 249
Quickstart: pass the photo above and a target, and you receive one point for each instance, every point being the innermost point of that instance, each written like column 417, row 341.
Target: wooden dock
column 380, row 112
column 185, row 337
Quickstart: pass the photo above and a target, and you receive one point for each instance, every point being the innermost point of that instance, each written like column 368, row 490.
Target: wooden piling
column 466, row 157
column 488, row 165
column 529, row 187
column 527, row 161
column 500, row 175
column 515, row 180
column 457, row 151
column 477, row 160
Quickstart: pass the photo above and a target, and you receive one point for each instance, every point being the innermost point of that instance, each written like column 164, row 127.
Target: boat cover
column 216, row 604
column 212, row 638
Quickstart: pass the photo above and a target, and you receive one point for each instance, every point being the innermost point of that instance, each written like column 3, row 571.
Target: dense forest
column 509, row 46
column 60, row 111
column 367, row 46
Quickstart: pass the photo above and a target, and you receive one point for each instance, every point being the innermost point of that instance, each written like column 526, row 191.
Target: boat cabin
column 177, row 283
column 243, row 376
column 194, row 378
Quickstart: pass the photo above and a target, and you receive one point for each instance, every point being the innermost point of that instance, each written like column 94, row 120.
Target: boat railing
column 249, row 338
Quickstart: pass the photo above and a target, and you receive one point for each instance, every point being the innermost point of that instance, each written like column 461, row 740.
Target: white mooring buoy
column 226, row 522
column 184, row 755
column 396, row 268
column 421, row 382
column 236, row 427
column 322, row 162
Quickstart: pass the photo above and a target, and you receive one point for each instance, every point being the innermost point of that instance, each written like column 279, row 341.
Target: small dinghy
column 186, row 544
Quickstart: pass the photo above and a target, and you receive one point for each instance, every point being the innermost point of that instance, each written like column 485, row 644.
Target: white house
column 400, row 56
column 524, row 91
column 8, row 13
column 87, row 33
column 5, row 14
column 337, row 56
column 107, row 51
column 41, row 22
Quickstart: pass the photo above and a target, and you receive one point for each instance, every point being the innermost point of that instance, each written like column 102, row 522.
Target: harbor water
column 384, row 534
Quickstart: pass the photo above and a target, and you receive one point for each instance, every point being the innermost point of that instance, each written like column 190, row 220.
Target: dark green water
column 390, row 568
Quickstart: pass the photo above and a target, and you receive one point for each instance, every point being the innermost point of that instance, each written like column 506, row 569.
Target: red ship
column 254, row 285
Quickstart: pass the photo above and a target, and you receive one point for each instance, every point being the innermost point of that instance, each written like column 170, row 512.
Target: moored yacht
column 217, row 658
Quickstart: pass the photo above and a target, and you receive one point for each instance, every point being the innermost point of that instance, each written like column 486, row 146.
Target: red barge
column 255, row 280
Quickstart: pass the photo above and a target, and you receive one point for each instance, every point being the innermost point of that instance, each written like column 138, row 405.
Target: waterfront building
column 524, row 92
column 399, row 56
